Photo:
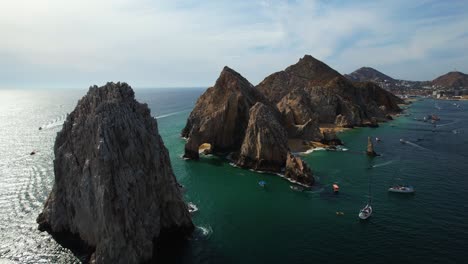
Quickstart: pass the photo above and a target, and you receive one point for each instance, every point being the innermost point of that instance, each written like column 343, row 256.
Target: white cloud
column 182, row 43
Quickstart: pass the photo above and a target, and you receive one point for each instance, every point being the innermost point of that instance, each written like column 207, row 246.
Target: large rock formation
column 114, row 185
column 255, row 124
column 265, row 144
column 315, row 91
column 221, row 115
column 234, row 117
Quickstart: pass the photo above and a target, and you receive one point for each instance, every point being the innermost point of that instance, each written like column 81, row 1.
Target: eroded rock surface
column 114, row 185
column 265, row 144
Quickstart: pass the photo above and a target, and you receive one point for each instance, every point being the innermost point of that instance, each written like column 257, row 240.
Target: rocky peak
column 332, row 98
column 313, row 70
column 114, row 185
column 221, row 114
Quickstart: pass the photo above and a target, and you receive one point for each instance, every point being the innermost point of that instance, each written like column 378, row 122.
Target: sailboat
column 366, row 212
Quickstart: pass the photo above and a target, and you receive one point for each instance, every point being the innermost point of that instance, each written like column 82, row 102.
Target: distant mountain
column 369, row 74
column 452, row 80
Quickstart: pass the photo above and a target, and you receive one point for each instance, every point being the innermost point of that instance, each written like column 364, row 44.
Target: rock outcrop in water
column 298, row 171
column 114, row 184
column 370, row 148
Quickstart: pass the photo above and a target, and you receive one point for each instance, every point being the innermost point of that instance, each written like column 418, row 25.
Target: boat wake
column 171, row 114
column 382, row 164
column 55, row 123
column 415, row 145
column 451, row 123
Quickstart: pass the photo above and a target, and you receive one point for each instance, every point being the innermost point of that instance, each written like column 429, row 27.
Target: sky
column 148, row 43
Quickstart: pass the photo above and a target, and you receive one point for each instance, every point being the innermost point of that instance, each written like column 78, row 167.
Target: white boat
column 401, row 189
column 365, row 212
column 402, row 141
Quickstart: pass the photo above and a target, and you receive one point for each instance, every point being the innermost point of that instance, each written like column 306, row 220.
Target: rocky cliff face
column 221, row 114
column 114, row 185
column 265, row 145
column 312, row 88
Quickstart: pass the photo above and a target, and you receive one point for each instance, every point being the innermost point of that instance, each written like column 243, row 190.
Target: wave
column 204, row 231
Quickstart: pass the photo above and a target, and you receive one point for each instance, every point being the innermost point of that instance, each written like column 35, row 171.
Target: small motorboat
column 32, row 153
column 401, row 189
column 336, row 188
column 296, row 188
column 377, row 139
column 365, row 212
column 192, row 208
column 262, row 184
column 402, row 141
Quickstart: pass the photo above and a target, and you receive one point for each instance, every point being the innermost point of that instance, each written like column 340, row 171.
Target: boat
column 365, row 212
column 336, row 188
column 401, row 189
column 296, row 188
column 262, row 184
column 192, row 208
column 32, row 153
column 402, row 141
column 40, row 128
column 377, row 139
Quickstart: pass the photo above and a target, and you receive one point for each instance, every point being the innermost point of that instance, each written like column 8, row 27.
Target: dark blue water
column 238, row 222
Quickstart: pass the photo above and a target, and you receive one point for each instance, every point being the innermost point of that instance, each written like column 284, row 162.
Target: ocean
column 240, row 222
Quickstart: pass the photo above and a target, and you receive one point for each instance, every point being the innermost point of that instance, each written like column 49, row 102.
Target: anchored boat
column 365, row 212
column 401, row 189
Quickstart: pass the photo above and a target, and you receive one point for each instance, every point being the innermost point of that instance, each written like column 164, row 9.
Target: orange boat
column 336, row 188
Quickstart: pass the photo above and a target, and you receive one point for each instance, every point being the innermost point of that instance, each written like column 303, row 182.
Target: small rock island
column 260, row 126
column 114, row 185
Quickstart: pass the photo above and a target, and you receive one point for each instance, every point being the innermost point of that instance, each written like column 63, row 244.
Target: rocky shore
column 114, row 186
column 301, row 107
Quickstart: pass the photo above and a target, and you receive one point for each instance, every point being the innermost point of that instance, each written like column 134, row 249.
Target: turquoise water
column 239, row 222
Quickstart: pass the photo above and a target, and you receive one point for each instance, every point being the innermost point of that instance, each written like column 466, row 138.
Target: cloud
column 186, row 43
